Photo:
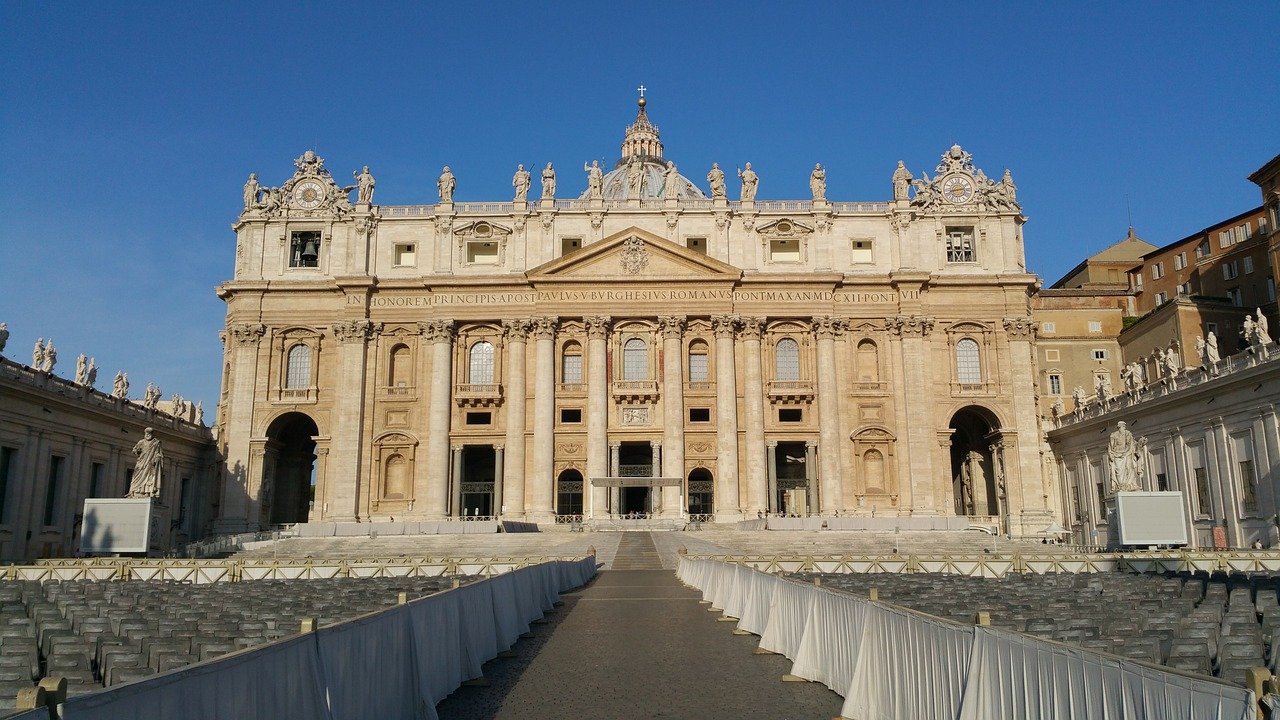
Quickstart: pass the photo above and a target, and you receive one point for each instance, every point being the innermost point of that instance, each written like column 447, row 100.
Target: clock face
column 308, row 194
column 957, row 189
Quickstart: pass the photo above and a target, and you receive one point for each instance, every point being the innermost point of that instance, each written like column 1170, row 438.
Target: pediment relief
column 968, row 326
column 785, row 227
column 298, row 332
column 634, row 254
column 873, row 433
column 399, row 331
column 482, row 230
column 395, row 438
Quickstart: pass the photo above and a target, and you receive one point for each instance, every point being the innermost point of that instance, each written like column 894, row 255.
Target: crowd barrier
column 395, row 663
column 891, row 662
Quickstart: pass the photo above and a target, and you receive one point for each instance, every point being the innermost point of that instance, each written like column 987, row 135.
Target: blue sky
column 129, row 128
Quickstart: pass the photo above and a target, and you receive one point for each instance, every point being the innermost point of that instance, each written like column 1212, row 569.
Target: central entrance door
column 793, row 479
column 635, row 459
column 477, row 480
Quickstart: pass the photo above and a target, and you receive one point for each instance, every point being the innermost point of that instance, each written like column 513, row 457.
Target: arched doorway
column 569, row 493
column 975, row 486
column 701, row 492
column 288, row 470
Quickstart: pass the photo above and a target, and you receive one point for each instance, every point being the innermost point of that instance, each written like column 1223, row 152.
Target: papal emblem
column 634, row 256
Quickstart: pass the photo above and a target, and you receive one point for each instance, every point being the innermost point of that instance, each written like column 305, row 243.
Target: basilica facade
column 645, row 346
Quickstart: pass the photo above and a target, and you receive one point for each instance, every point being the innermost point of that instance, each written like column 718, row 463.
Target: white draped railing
column 890, row 662
column 395, row 663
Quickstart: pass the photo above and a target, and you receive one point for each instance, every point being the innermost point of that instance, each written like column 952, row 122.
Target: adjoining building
column 646, row 347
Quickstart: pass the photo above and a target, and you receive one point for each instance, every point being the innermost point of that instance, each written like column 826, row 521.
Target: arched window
column 297, row 375
column 698, row 369
column 635, row 360
column 400, row 373
column 571, row 364
column 480, row 368
column 868, row 362
column 968, row 365
column 786, row 360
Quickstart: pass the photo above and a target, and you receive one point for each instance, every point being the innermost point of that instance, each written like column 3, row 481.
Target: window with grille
column 968, row 365
column 698, row 368
column 571, row 364
column 786, row 360
column 635, row 360
column 480, row 367
column 960, row 246
column 298, row 370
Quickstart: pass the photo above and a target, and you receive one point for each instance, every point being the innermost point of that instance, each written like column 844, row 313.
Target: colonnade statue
column 146, row 473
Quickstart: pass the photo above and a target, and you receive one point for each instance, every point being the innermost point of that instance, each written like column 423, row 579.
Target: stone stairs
column 636, row 551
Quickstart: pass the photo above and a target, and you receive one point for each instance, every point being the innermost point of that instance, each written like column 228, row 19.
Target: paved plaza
column 636, row 643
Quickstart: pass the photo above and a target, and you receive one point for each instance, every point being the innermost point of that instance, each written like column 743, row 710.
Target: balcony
column 790, row 392
column 296, row 395
column 982, row 389
column 399, row 391
column 635, row 390
column 475, row 395
column 699, row 386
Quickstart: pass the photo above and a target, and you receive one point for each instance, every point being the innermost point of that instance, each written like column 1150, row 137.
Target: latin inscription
column 639, row 295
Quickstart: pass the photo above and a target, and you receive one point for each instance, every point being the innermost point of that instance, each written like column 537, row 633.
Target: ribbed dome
column 642, row 164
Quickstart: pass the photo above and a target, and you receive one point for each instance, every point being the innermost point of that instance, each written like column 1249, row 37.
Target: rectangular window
column 7, row 455
column 698, row 370
column 1248, row 264
column 1234, row 295
column 1224, row 239
column 1248, row 479
column 482, row 252
column 1203, row 249
column 1055, row 384
column 479, row 418
column 1200, row 475
column 1095, row 326
column 304, row 249
column 960, row 248
column 1161, row 298
column 570, row 245
column 1052, row 355
column 182, row 501
column 1262, row 225
column 1184, row 288
column 1229, row 270
column 406, row 255
column 1157, row 271
column 1158, row 470
column 784, row 250
column 52, row 489
column 1099, row 354
column 572, row 373
column 699, row 414
column 1048, row 327
column 571, row 415
column 1211, row 327
column 1137, row 280
column 1271, row 289
column 1180, row 261
column 95, row 479
column 790, row 415
column 696, row 244
column 861, row 252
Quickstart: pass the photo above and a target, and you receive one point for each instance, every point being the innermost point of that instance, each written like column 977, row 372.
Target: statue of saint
column 37, row 355
column 521, row 182
column 446, row 184
column 1122, row 453
column 1057, row 409
column 635, row 178
column 80, row 369
column 1077, row 396
column 91, row 373
column 251, row 188
column 716, row 178
column 50, row 357
column 548, row 182
column 146, row 473
column 901, row 182
column 1171, row 362
column 120, row 386
column 750, row 182
column 671, row 183
column 1102, row 388
column 4, row 335
column 272, row 199
column 151, row 396
column 925, row 195
column 364, row 186
column 818, row 183
column 595, row 180
column 1008, row 190
column 977, row 478
column 1261, row 329
column 199, row 412
column 1211, row 350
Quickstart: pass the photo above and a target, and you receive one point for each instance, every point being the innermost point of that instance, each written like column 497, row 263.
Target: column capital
column 671, row 326
column 355, row 331
column 826, row 327
column 725, row 325
column 456, row 448
column 771, row 443
column 440, row 331
column 597, row 325
column 499, row 447
column 517, row 329
column 615, row 446
column 811, row 443
column 752, row 327
column 1020, row 328
column 655, row 443
column 911, row 325
column 544, row 328
column 245, row 334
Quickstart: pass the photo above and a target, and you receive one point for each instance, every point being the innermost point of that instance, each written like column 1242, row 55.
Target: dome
column 641, row 172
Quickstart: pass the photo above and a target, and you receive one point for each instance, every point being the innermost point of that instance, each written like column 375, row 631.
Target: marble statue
column 1077, row 396
column 1211, row 352
column 446, row 184
column 120, row 386
column 81, row 365
column 925, row 193
column 1008, row 191
column 750, row 183
column 1246, row 329
column 37, row 355
column 1261, row 329
column 901, row 182
column 91, row 373
column 151, row 396
column 175, row 405
column 1102, row 388
column 1057, row 409
column 364, row 186
column 1140, row 374
column 671, row 184
column 146, row 472
column 4, row 335
column 548, row 182
column 976, row 477
column 251, row 188
column 50, row 357
column 521, row 182
column 818, row 183
column 1122, row 452
column 635, row 178
column 966, row 489
column 716, row 179
column 595, row 179
column 1171, row 363
column 272, row 200
column 199, row 412
column 1202, row 351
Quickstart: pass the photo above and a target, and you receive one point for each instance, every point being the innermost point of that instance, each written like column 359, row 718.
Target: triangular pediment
column 634, row 254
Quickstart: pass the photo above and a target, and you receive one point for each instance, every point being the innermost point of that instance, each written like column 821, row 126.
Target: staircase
column 636, row 551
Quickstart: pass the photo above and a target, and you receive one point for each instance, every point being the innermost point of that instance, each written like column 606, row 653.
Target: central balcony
column 635, row 390
column 790, row 391
column 473, row 395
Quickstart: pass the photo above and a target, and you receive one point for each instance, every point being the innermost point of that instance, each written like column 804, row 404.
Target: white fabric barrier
column 397, row 663
column 889, row 662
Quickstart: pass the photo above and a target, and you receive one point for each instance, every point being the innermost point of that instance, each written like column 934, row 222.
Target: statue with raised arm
column 818, row 183
column 1122, row 454
column 750, row 182
column 716, row 179
column 446, row 184
column 595, row 180
column 80, row 369
column 901, row 182
column 548, row 182
column 521, row 182
column 251, row 189
column 671, row 183
column 50, row 357
column 146, row 472
column 364, row 186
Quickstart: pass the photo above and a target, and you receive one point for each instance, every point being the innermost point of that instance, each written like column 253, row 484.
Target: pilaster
column 440, row 335
column 725, row 500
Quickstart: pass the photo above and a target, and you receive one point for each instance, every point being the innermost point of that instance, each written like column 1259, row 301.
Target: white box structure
column 116, row 525
column 1151, row 518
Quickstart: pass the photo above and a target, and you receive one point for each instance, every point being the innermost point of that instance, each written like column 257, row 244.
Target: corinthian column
column 242, row 339
column 512, row 479
column 1027, row 497
column 672, row 411
column 753, row 401
column 440, row 334
column 597, row 414
column 832, row 474
column 921, row 434
column 541, row 487
column 725, row 500
column 348, row 429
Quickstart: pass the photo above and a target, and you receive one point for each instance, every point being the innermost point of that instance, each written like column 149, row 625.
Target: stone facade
column 642, row 348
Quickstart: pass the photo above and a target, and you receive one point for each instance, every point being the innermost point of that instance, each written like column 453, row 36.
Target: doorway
column 288, row 470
